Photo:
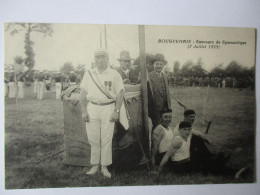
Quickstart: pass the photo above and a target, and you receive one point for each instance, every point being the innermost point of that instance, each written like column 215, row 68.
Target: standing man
column 11, row 85
column 127, row 74
column 72, row 78
column 21, row 79
column 6, row 84
column 41, row 86
column 101, row 97
column 57, row 79
column 35, row 82
column 159, row 88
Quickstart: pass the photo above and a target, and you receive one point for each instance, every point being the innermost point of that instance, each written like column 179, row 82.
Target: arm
column 174, row 147
column 157, row 137
column 200, row 135
column 119, row 88
column 119, row 101
column 83, row 98
column 83, row 104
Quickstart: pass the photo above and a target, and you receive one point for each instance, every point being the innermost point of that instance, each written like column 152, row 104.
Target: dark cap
column 184, row 124
column 189, row 112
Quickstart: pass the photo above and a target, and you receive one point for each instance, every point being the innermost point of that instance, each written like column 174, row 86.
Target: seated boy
column 178, row 156
column 162, row 137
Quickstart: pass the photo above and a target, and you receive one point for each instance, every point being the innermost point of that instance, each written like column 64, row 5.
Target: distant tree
column 197, row 69
column 148, row 61
column 218, row 71
column 234, row 69
column 66, row 68
column 176, row 67
column 186, row 69
column 45, row 29
column 167, row 69
column 80, row 68
column 18, row 60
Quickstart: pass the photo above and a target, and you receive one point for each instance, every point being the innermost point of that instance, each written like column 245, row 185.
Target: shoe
column 93, row 170
column 241, row 173
column 105, row 172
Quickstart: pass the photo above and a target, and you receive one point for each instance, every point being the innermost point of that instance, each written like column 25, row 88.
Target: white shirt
column 109, row 78
column 184, row 151
column 166, row 140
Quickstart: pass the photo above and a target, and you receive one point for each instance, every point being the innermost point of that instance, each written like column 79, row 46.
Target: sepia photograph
column 94, row 105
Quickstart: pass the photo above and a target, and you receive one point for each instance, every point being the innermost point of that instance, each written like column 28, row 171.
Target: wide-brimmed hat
column 159, row 57
column 124, row 55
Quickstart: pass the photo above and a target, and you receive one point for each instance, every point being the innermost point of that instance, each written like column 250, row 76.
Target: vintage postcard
column 128, row 105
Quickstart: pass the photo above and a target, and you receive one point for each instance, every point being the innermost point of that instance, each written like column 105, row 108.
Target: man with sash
column 128, row 74
column 101, row 99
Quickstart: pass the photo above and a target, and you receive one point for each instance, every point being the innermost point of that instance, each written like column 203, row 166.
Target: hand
column 154, row 168
column 126, row 81
column 155, row 172
column 114, row 117
column 85, row 117
column 207, row 141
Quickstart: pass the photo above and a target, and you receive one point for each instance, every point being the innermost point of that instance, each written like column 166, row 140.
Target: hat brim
column 163, row 61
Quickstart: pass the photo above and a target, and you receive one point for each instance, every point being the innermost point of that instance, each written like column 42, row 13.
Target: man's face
column 124, row 64
column 166, row 119
column 101, row 61
column 190, row 118
column 158, row 66
column 185, row 132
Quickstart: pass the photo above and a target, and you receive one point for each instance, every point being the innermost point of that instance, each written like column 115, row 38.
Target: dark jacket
column 132, row 75
column 158, row 100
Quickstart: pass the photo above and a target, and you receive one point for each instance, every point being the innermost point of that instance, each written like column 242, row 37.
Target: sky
column 76, row 43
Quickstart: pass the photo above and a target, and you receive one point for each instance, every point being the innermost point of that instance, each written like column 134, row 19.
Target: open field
column 34, row 129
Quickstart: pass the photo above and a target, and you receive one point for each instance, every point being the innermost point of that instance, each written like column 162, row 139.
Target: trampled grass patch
column 34, row 129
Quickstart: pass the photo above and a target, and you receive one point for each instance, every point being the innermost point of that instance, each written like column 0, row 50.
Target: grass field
column 34, row 129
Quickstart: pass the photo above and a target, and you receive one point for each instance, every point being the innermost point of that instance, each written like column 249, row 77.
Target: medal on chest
column 108, row 85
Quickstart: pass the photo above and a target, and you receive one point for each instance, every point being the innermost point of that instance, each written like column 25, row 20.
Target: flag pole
column 105, row 37
column 100, row 39
column 143, row 71
column 205, row 106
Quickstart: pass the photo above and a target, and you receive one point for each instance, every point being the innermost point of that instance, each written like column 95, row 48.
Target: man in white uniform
column 58, row 85
column 41, row 86
column 21, row 79
column 101, row 97
column 11, row 84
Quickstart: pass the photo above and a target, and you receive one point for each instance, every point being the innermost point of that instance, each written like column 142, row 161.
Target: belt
column 102, row 104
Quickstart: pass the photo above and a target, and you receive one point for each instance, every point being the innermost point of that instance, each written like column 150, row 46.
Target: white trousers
column 40, row 90
column 11, row 89
column 35, row 86
column 20, row 90
column 58, row 90
column 100, row 133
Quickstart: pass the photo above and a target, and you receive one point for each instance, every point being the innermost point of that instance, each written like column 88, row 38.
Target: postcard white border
column 221, row 13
